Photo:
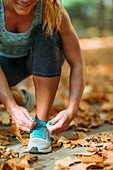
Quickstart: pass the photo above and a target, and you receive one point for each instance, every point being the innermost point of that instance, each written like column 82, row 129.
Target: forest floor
column 92, row 129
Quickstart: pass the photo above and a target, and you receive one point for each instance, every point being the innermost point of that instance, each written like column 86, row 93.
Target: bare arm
column 20, row 115
column 73, row 55
column 6, row 97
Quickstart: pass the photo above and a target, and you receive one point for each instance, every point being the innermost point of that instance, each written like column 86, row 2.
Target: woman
column 29, row 45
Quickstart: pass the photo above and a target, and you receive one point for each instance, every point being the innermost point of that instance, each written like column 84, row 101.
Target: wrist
column 10, row 107
column 72, row 112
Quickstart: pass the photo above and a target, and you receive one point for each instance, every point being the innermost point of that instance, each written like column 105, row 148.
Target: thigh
column 45, row 53
column 13, row 69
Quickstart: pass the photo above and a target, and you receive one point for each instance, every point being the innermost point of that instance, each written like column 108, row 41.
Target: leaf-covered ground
column 95, row 111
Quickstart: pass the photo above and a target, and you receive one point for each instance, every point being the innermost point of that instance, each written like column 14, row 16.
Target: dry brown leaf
column 5, row 142
column 103, row 115
column 6, row 155
column 57, row 144
column 80, row 166
column 79, row 135
column 94, row 166
column 104, row 136
column 94, row 97
column 109, row 158
column 13, row 154
column 16, row 132
column 81, row 142
column 111, row 138
column 85, row 153
column 92, row 150
column 2, row 147
column 67, row 145
column 84, row 106
column 100, row 145
column 83, row 166
column 82, row 135
column 81, row 129
column 108, row 168
column 91, row 159
column 75, row 137
column 5, row 118
column 109, row 97
column 72, row 142
column 109, row 117
column 18, row 163
column 106, row 106
column 96, row 121
column 109, row 147
column 66, row 162
column 63, row 140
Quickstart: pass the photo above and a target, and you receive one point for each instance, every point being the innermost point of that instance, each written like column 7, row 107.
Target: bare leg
column 45, row 90
column 19, row 96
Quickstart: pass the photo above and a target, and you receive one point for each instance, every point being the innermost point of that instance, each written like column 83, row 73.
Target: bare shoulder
column 66, row 25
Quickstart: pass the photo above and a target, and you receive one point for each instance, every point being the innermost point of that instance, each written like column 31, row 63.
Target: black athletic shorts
column 44, row 59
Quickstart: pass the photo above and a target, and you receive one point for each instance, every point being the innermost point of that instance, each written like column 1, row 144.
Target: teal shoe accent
column 40, row 141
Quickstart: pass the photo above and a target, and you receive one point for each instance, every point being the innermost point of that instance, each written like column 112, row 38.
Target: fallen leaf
column 85, row 153
column 63, row 140
column 81, row 142
column 109, row 158
column 18, row 163
column 91, row 159
column 16, row 132
column 83, row 166
column 5, row 142
column 106, row 106
column 111, row 138
column 66, row 162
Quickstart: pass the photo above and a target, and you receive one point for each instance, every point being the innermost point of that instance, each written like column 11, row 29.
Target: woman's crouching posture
column 33, row 36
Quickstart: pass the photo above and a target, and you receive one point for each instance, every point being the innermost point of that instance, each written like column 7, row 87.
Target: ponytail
column 53, row 16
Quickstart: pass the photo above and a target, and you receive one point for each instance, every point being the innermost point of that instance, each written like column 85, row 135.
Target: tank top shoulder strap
column 38, row 13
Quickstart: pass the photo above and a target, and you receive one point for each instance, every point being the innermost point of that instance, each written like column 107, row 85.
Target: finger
column 56, row 119
column 24, row 128
column 49, row 128
column 28, row 124
column 24, row 123
column 33, row 124
column 55, row 127
column 28, row 115
column 31, row 121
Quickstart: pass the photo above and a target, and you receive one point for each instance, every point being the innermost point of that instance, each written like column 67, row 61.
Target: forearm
column 19, row 114
column 77, row 81
column 6, row 97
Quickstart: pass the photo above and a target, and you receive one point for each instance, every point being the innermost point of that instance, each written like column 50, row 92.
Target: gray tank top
column 15, row 45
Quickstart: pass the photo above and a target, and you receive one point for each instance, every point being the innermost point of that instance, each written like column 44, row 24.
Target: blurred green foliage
column 86, row 16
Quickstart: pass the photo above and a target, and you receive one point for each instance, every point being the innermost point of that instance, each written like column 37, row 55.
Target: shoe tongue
column 40, row 123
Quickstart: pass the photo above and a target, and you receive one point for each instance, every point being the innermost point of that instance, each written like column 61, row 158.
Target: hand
column 60, row 123
column 22, row 118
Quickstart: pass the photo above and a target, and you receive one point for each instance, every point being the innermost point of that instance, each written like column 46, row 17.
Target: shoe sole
column 35, row 150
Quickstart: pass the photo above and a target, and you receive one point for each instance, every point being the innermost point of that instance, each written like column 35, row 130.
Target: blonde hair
column 53, row 16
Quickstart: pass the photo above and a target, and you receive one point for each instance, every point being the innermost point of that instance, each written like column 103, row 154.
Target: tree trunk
column 101, row 17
